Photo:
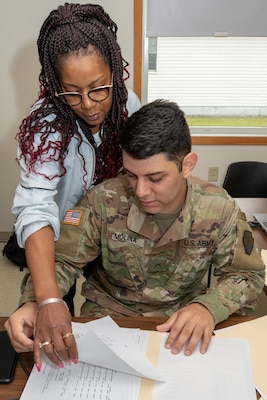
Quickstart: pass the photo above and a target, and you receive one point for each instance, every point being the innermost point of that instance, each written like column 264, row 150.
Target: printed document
column 133, row 364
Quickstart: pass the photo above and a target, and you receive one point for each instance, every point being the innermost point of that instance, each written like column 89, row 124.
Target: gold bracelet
column 51, row 300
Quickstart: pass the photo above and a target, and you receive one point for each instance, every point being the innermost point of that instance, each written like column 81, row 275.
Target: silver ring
column 69, row 334
column 41, row 345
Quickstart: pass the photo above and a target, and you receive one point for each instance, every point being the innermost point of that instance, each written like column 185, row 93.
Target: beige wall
column 221, row 156
column 20, row 22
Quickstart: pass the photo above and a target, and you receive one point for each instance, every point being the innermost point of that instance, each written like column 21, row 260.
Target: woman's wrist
column 51, row 300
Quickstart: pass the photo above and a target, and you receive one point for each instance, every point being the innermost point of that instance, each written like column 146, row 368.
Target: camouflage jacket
column 143, row 272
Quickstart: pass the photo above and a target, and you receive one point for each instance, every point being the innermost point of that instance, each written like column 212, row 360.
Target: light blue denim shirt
column 39, row 201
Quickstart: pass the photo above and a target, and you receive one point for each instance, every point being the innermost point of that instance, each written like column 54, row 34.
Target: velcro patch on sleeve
column 248, row 242
column 72, row 217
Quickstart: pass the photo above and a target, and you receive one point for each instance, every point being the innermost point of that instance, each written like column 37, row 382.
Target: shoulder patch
column 248, row 242
column 72, row 217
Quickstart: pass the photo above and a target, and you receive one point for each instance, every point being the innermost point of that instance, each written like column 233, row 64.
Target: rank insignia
column 248, row 242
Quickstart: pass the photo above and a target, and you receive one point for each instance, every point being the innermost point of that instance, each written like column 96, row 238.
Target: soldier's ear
column 189, row 163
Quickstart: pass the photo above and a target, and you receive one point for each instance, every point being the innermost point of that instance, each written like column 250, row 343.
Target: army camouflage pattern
column 144, row 273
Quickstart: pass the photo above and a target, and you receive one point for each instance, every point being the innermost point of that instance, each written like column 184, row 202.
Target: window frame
column 197, row 136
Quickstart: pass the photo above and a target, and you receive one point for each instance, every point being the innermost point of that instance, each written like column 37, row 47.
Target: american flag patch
column 72, row 217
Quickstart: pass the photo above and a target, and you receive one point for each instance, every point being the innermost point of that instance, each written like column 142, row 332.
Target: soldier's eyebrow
column 149, row 174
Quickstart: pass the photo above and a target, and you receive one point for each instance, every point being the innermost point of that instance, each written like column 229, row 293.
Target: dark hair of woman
column 67, row 30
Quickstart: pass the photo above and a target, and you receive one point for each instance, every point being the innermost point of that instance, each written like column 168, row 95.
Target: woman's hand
column 51, row 329
column 53, row 332
column 53, row 335
column 188, row 326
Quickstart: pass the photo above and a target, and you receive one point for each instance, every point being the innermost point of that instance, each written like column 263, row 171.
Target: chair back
column 246, row 179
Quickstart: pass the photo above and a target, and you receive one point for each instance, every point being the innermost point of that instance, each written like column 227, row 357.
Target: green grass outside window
column 226, row 121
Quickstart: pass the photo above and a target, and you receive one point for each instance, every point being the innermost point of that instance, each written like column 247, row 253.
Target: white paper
column 224, row 372
column 107, row 345
column 255, row 332
column 85, row 381
column 81, row 381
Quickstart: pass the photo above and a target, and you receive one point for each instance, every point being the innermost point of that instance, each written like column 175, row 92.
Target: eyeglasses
column 98, row 94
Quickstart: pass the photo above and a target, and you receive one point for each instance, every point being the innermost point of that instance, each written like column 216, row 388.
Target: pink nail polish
column 38, row 367
column 60, row 365
column 75, row 361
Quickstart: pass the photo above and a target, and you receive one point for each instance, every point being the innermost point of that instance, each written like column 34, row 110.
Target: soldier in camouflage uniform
column 158, row 233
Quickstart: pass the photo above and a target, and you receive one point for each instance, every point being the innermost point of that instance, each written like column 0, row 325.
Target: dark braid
column 68, row 29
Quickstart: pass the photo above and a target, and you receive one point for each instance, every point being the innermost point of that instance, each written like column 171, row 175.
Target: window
column 152, row 53
column 213, row 64
column 211, row 76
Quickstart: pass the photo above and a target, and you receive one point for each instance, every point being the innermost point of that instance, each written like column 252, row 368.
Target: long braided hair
column 71, row 28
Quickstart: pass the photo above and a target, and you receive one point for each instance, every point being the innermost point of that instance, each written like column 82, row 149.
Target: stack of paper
column 255, row 332
column 140, row 368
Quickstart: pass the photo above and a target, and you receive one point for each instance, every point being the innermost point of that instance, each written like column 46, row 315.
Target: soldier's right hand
column 20, row 327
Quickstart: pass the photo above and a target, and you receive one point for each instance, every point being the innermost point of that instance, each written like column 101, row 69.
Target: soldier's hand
column 189, row 326
column 20, row 327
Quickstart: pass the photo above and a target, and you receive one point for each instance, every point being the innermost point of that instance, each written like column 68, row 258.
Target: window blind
column 206, row 18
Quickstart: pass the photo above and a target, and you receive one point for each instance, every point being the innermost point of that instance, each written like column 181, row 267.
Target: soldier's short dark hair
column 157, row 127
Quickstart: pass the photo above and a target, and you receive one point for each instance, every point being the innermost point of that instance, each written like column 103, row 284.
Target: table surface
column 249, row 206
column 13, row 390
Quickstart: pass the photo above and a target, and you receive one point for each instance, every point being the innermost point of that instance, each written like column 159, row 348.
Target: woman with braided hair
column 69, row 140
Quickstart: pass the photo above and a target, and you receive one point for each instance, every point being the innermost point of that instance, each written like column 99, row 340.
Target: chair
column 246, row 179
